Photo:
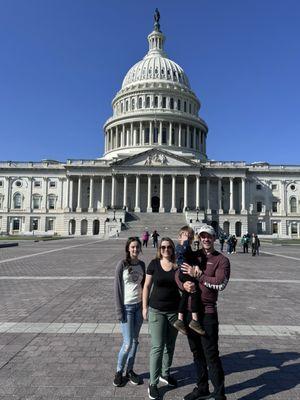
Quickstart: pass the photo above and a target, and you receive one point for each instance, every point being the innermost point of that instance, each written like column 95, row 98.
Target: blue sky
column 62, row 62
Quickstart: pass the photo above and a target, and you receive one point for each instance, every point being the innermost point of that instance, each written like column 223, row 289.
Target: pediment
column 155, row 158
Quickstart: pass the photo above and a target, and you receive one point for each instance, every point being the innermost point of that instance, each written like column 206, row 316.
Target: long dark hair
column 127, row 261
column 166, row 239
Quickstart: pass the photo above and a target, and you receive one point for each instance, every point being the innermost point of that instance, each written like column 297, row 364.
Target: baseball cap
column 207, row 229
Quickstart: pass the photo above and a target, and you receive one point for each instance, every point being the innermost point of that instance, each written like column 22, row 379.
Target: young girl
column 129, row 281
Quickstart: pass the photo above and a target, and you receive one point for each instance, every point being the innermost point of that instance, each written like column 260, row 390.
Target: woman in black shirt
column 161, row 307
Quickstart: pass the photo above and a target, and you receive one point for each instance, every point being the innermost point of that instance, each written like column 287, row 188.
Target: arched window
column 293, row 204
column 171, row 103
column 178, row 105
column 132, row 104
column 140, row 102
column 156, row 101
column 36, row 201
column 147, row 102
column 126, row 105
column 122, row 107
column 51, row 202
column 17, row 200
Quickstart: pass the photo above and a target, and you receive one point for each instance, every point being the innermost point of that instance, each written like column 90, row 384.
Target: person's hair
column 187, row 229
column 127, row 261
column 158, row 253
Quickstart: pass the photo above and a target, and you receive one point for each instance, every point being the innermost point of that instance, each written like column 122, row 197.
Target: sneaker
column 118, row 381
column 168, row 380
column 153, row 392
column 133, row 378
column 196, row 394
column 195, row 325
column 179, row 325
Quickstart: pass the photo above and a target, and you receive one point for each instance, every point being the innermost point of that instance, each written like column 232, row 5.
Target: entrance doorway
column 155, row 204
column 96, row 227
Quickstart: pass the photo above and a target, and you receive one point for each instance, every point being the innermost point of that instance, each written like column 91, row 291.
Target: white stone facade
column 155, row 160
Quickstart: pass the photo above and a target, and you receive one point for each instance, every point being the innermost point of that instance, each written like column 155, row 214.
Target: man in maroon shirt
column 213, row 278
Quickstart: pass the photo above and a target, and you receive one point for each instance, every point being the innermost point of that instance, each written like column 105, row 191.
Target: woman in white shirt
column 129, row 281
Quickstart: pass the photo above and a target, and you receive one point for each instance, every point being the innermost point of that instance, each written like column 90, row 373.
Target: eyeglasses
column 166, row 248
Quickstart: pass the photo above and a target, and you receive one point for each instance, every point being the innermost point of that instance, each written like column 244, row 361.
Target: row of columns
column 133, row 135
column 137, row 207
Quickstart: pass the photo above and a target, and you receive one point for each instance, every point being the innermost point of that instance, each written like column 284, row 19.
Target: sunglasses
column 166, row 247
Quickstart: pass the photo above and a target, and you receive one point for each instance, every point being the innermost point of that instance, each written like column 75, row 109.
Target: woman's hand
column 145, row 313
column 189, row 287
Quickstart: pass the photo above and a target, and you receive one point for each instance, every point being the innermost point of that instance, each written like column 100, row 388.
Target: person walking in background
column 213, row 278
column 255, row 244
column 234, row 243
column 222, row 241
column 155, row 236
column 229, row 244
column 245, row 243
column 161, row 298
column 145, row 238
column 129, row 281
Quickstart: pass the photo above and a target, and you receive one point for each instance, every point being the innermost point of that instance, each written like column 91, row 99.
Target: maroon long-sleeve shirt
column 214, row 278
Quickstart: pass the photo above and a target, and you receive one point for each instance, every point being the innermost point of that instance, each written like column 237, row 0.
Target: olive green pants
column 163, row 338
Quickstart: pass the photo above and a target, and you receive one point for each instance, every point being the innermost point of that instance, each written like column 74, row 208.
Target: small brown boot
column 179, row 325
column 195, row 325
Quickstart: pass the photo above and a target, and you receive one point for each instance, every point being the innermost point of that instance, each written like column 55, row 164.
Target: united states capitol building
column 155, row 161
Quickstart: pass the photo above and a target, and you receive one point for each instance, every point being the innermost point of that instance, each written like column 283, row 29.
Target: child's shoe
column 195, row 325
column 179, row 325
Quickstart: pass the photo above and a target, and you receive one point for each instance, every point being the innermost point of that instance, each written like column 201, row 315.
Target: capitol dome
column 155, row 107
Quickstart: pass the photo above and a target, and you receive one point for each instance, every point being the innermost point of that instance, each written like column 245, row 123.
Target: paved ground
column 59, row 340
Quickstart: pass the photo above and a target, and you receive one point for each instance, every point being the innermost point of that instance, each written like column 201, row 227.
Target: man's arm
column 221, row 278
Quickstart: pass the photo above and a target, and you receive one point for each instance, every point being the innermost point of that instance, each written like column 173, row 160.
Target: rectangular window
column 49, row 224
column 51, row 203
column 171, row 103
column 164, row 102
column 259, row 206
column 36, row 203
column 184, row 106
column 35, row 224
column 274, row 206
column 37, row 184
column 147, row 135
column 274, row 227
column 178, row 105
column 164, row 136
column 274, row 187
column 258, row 187
column 155, row 101
column 1, row 184
column 294, row 229
column 190, row 108
column 259, row 228
column 52, row 184
column 155, row 135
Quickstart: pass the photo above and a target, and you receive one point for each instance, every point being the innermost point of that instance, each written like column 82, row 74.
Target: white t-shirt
column 132, row 284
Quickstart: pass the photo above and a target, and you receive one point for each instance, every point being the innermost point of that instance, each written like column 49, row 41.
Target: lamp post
column 197, row 211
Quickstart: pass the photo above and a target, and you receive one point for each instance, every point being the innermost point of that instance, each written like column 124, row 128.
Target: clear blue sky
column 62, row 62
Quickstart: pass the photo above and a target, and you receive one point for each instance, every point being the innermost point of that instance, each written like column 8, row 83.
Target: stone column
column 134, row 137
column 160, row 133
column 170, row 134
column 78, row 208
column 161, row 194
column 243, row 210
column 103, row 192
column 44, row 206
column 113, row 191
column 197, row 202
column 283, row 206
column 149, row 208
column 220, row 196
column 141, row 134
column 67, row 197
column 195, row 134
column 208, row 210
column 123, row 136
column 7, row 192
column 131, row 134
column 137, row 194
column 185, row 194
column 179, row 136
column 91, row 199
column 173, row 207
column 71, row 194
column 125, row 192
column 231, row 209
column 29, row 200
column 61, row 193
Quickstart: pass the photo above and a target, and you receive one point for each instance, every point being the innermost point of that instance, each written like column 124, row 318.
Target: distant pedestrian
column 222, row 241
column 155, row 236
column 255, row 244
column 229, row 244
column 234, row 242
column 129, row 282
column 245, row 243
column 145, row 238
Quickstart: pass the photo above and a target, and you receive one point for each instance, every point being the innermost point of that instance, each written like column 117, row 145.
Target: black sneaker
column 197, row 394
column 133, row 378
column 118, row 381
column 153, row 392
column 168, row 380
column 179, row 325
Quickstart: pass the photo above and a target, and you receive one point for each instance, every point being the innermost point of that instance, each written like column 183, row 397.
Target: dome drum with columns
column 155, row 161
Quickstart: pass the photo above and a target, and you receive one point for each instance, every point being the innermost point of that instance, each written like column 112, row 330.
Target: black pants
column 206, row 356
column 194, row 297
column 245, row 248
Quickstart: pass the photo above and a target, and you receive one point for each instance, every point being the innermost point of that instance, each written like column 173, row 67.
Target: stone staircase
column 165, row 224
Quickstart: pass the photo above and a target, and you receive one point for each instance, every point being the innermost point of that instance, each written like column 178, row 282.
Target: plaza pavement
column 59, row 338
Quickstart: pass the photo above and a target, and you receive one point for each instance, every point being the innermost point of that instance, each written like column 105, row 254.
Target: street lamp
column 197, row 211
column 114, row 211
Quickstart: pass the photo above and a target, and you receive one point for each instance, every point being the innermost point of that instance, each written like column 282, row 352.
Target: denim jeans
column 131, row 327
